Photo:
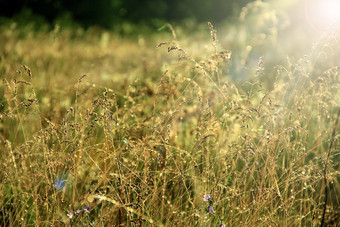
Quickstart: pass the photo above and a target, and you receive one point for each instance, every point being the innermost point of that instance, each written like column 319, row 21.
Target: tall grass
column 97, row 130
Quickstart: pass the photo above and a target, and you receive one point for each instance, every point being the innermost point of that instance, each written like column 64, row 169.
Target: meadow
column 204, row 126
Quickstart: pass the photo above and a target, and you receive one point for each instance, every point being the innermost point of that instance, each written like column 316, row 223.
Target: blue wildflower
column 79, row 212
column 206, row 198
column 87, row 209
column 211, row 209
column 60, row 182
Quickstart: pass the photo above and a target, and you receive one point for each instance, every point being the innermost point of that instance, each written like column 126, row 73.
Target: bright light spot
column 321, row 14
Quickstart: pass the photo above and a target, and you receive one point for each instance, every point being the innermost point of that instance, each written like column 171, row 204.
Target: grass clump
column 149, row 138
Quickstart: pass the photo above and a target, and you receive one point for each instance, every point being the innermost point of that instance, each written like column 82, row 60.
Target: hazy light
column 321, row 14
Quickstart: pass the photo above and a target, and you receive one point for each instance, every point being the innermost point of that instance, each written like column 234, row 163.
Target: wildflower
column 206, row 198
column 211, row 209
column 60, row 182
column 223, row 225
column 70, row 214
column 79, row 212
column 100, row 199
column 87, row 209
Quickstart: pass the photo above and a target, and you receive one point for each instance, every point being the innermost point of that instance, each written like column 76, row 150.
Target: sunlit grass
column 97, row 129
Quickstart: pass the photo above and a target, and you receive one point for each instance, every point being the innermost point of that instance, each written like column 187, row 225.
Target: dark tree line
column 106, row 13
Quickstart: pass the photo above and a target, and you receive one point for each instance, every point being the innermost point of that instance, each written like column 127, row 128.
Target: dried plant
column 168, row 140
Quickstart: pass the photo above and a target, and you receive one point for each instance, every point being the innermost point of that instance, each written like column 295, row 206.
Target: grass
column 140, row 130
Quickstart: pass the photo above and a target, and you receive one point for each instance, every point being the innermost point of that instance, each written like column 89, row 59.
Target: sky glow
column 322, row 14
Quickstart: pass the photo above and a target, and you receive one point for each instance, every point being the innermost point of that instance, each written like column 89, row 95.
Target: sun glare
column 321, row 14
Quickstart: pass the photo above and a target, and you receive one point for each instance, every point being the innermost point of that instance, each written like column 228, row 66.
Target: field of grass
column 176, row 128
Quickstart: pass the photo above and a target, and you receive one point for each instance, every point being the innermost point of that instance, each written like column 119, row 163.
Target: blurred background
column 253, row 30
column 110, row 13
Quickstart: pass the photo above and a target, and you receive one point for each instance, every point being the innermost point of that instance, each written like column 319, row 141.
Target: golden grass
column 140, row 135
